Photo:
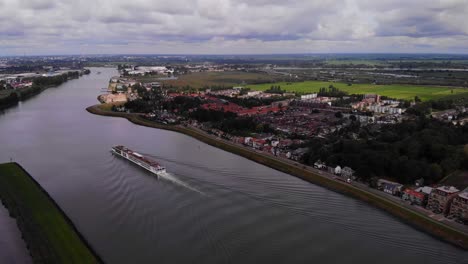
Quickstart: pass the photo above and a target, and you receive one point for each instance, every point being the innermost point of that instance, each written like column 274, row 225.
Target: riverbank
column 23, row 94
column 416, row 219
column 50, row 235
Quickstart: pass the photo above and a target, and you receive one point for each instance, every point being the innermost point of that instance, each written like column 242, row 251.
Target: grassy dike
column 50, row 235
column 416, row 219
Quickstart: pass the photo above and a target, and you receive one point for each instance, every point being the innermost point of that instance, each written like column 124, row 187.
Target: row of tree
column 332, row 91
column 275, row 89
column 251, row 101
column 425, row 108
column 8, row 101
column 55, row 80
column 38, row 84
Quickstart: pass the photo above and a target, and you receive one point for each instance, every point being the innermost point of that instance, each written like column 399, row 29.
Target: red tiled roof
column 414, row 193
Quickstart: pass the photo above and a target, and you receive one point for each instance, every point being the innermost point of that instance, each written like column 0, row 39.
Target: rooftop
column 448, row 189
column 464, row 194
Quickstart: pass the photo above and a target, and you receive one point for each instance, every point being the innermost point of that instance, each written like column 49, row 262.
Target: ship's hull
column 139, row 163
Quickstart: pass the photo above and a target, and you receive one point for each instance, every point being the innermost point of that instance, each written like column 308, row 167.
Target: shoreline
column 30, row 93
column 39, row 242
column 412, row 217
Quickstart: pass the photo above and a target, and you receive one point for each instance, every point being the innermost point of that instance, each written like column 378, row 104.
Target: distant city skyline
column 53, row 27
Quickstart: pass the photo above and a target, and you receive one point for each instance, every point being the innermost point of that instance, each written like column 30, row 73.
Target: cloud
column 37, row 4
column 230, row 26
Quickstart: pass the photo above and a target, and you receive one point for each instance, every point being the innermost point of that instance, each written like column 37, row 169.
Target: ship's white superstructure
column 139, row 159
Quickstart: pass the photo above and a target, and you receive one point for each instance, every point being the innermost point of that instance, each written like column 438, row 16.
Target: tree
column 435, row 172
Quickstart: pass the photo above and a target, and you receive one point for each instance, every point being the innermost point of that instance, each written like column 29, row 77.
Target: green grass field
column 393, row 91
column 199, row 80
column 50, row 237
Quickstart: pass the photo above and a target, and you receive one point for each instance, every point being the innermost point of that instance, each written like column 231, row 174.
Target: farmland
column 394, row 91
column 198, row 80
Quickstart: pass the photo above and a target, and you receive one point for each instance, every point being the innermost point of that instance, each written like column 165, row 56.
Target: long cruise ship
column 138, row 159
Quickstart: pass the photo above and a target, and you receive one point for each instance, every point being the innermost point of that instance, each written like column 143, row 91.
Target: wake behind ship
column 139, row 159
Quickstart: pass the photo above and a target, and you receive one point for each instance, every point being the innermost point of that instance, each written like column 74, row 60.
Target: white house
column 308, row 96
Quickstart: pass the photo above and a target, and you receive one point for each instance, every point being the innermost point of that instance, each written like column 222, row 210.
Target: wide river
column 216, row 208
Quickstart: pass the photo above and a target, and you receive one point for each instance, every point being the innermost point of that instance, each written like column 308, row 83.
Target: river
column 222, row 209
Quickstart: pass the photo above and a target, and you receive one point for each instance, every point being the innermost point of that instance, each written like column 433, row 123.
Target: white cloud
column 229, row 26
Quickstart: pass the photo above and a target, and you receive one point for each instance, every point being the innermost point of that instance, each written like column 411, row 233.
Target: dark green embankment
column 50, row 235
column 412, row 217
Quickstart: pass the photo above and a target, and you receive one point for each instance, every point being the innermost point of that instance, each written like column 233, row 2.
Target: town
column 288, row 126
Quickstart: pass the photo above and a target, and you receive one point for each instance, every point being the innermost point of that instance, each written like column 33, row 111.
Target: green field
column 393, row 91
column 199, row 80
column 50, row 237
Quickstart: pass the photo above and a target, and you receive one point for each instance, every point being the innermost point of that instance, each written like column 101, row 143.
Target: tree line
column 39, row 83
column 425, row 148
column 332, row 91
column 55, row 80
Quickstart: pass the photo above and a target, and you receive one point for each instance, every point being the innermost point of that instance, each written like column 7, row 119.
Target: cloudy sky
column 36, row 27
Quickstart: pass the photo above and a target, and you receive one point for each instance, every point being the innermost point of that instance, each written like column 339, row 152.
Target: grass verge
column 50, row 235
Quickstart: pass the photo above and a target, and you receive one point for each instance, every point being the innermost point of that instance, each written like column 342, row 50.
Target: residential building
column 441, row 198
column 320, row 165
column 459, row 206
column 308, row 96
column 426, row 191
column 413, row 196
column 390, row 187
column 372, row 98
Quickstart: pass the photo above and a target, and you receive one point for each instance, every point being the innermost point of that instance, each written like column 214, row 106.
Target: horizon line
column 238, row 54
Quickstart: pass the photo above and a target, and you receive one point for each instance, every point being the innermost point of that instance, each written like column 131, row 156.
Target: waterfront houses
column 441, row 198
column 389, row 187
column 459, row 206
column 414, row 197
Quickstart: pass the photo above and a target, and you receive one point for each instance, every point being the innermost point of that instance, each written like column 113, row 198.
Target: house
column 274, row 143
column 320, row 165
column 308, row 96
column 298, row 154
column 413, row 196
column 371, row 98
column 258, row 143
column 419, row 182
column 390, row 187
column 441, row 198
column 120, row 88
column 459, row 206
column 426, row 191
